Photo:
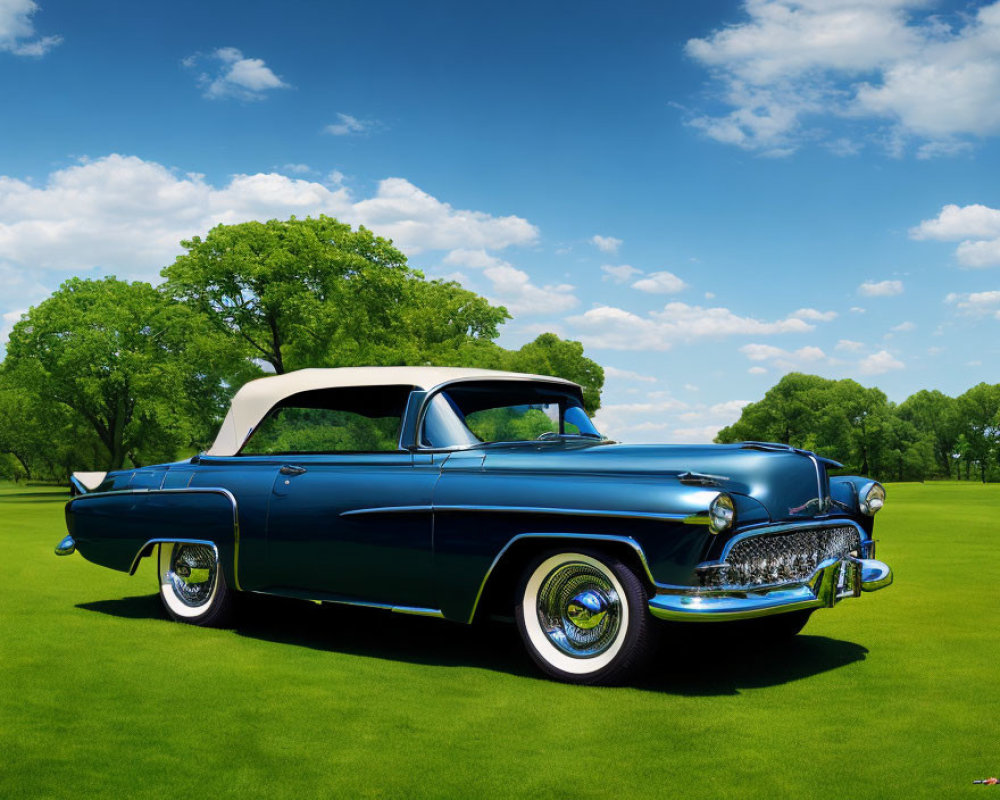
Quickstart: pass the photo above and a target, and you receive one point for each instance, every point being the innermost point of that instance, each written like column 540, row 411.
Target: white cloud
column 976, row 304
column 803, row 358
column 297, row 169
column 618, row 329
column 979, row 254
column 9, row 319
column 346, row 125
column 880, row 288
column 976, row 227
column 620, row 273
column 512, row 287
column 127, row 216
column 858, row 310
column 17, row 30
column 955, row 223
column 850, row 346
column 757, row 370
column 606, row 244
column 878, row 363
column 660, row 283
column 417, row 221
column 627, row 375
column 904, row 327
column 814, row 315
column 701, row 434
column 894, row 68
column 235, row 75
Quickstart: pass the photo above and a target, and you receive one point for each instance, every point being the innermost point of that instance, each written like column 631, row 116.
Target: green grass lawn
column 895, row 694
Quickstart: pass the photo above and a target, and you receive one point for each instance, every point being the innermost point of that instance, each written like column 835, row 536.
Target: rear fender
column 118, row 529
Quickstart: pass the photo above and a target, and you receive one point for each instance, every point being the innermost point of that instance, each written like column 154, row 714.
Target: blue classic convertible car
column 464, row 494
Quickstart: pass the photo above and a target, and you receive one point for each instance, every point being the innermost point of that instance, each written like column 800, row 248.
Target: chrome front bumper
column 834, row 580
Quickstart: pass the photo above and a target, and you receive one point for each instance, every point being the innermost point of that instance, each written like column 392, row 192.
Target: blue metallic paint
column 425, row 530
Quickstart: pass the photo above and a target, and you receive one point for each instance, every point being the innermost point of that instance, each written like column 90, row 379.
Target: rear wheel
column 192, row 586
column 583, row 617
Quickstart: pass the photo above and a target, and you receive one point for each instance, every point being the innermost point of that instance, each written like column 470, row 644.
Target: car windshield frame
column 567, row 396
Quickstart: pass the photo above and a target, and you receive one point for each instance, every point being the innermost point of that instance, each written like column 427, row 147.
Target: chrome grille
column 771, row 558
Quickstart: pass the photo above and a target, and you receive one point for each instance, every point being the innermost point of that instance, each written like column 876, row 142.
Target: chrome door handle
column 291, row 469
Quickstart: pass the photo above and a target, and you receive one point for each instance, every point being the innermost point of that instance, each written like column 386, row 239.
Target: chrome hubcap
column 579, row 610
column 587, row 610
column 192, row 573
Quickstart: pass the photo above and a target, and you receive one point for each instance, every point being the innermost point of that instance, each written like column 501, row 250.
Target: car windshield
column 473, row 413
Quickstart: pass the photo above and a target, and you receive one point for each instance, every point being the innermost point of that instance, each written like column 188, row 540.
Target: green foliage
column 310, row 430
column 145, row 374
column 859, row 427
column 510, row 424
column 105, row 371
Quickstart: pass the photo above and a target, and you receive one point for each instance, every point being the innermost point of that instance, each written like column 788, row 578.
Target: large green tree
column 314, row 293
column 303, row 292
column 146, row 374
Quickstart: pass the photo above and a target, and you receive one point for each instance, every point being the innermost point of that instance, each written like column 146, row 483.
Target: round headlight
column 721, row 513
column 871, row 498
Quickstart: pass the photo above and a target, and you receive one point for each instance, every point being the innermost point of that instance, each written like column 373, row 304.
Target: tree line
column 928, row 435
column 106, row 373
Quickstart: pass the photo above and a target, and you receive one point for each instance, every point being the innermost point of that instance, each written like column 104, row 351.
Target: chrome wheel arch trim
column 182, row 490
column 576, row 538
column 147, row 549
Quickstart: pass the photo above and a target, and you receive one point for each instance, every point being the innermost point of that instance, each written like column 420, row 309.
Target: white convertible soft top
column 252, row 402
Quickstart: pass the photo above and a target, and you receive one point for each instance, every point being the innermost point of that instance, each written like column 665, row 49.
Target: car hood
column 787, row 482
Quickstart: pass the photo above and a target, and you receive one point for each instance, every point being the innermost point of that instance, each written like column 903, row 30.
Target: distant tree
column 23, row 431
column 979, row 411
column 550, row 355
column 145, row 373
column 935, row 416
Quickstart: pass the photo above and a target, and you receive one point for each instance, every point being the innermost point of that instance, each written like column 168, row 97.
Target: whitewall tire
column 192, row 585
column 583, row 617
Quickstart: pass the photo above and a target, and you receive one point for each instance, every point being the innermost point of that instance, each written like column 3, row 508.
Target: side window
column 350, row 420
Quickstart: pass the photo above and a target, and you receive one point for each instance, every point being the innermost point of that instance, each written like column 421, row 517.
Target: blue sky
column 708, row 195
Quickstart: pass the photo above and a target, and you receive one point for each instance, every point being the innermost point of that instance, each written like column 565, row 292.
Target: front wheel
column 583, row 617
column 192, row 586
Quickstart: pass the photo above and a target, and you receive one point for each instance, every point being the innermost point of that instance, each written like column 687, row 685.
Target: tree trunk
column 276, row 360
column 27, row 469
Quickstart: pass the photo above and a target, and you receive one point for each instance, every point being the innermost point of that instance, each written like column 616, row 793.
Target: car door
column 349, row 512
column 354, row 525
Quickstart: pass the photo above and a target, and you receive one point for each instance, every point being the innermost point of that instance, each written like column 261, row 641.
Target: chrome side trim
column 184, row 490
column 585, row 537
column 358, row 512
column 564, row 512
column 147, row 549
column 416, row 611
